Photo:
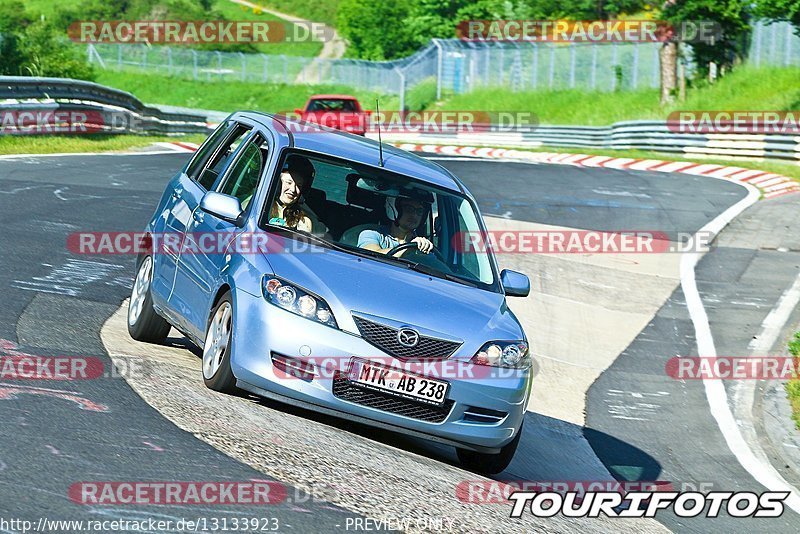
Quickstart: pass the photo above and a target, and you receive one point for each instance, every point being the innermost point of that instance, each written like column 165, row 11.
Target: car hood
column 350, row 283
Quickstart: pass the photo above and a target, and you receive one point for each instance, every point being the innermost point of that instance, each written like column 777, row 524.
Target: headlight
column 291, row 298
column 503, row 354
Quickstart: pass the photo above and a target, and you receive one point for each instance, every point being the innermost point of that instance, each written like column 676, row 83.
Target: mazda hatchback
column 324, row 270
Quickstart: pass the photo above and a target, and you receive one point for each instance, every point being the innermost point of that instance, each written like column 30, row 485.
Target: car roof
column 315, row 138
column 332, row 97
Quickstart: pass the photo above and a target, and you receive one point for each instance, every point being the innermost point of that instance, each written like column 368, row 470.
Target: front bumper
column 263, row 330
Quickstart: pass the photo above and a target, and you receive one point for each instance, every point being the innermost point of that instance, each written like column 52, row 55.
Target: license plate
column 397, row 382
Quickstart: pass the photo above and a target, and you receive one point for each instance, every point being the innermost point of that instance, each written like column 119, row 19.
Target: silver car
column 327, row 271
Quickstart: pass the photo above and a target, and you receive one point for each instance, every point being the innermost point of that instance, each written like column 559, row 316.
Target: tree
column 375, row 30
column 788, row 10
column 732, row 17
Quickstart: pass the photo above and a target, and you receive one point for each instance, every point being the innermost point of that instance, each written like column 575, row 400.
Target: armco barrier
column 121, row 112
column 639, row 135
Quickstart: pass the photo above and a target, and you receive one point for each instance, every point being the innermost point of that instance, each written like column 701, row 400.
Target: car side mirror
column 515, row 284
column 298, row 111
column 224, row 207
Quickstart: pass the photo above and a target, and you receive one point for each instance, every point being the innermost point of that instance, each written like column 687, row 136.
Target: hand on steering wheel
column 414, row 245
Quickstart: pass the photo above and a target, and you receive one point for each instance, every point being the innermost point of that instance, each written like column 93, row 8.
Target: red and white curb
column 771, row 185
column 179, row 146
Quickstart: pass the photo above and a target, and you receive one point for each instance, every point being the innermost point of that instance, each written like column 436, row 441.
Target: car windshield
column 383, row 215
column 332, row 104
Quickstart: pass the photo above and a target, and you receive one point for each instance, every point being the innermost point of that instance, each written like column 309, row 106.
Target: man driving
column 405, row 214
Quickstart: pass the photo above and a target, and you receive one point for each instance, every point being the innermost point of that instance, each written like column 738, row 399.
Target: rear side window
column 242, row 180
column 222, row 156
column 205, row 151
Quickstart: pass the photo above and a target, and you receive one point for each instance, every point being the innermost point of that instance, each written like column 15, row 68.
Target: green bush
column 37, row 48
column 45, row 53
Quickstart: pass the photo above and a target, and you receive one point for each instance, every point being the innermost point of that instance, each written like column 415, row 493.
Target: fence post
column 194, row 65
column 552, row 65
column 119, row 56
column 757, row 45
column 535, row 64
column 613, row 66
column 501, row 65
column 773, row 44
column 656, row 68
column 219, row 63
column 169, row 61
column 787, row 59
column 635, row 73
column 285, row 70
column 572, row 65
column 265, row 58
column 593, row 75
column 438, row 69
column 402, row 90
column 244, row 66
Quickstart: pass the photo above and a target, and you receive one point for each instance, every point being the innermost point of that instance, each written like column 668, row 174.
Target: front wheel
column 144, row 324
column 489, row 464
column 217, row 373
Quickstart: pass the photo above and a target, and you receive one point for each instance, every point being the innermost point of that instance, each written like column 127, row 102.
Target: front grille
column 385, row 338
column 346, row 390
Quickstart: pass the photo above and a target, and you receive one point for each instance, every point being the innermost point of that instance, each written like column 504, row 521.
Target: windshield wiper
column 425, row 269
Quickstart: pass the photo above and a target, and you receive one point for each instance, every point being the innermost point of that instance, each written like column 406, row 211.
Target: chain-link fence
column 456, row 66
column 774, row 44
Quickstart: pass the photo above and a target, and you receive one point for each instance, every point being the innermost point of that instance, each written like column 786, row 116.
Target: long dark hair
column 298, row 166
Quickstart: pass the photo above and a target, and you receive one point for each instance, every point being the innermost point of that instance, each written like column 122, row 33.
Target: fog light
column 323, row 315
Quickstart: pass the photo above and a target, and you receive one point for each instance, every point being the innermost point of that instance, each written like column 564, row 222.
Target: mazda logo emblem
column 408, row 337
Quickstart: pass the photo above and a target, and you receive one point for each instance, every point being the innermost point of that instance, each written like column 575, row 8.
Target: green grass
column 315, row 10
column 793, row 386
column 53, row 144
column 237, row 12
column 225, row 96
column 746, row 88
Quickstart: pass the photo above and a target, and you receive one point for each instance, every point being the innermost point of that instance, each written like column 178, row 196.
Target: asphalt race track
column 640, row 424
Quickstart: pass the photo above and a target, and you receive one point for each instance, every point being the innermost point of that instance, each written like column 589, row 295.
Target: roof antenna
column 380, row 143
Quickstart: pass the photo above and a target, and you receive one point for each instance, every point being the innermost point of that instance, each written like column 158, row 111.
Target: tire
column 144, row 324
column 489, row 464
column 217, row 373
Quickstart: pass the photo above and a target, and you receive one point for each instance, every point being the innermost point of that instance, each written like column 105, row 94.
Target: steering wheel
column 404, row 246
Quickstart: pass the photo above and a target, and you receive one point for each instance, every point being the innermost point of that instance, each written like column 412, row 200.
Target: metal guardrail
column 121, row 112
column 638, row 135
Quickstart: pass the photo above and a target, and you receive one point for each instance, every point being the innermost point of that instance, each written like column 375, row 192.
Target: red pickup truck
column 340, row 112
